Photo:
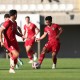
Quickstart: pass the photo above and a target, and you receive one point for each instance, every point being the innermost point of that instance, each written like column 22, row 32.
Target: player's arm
column 42, row 37
column 18, row 33
column 36, row 32
column 24, row 32
column 59, row 33
column 2, row 28
column 19, row 29
column 1, row 35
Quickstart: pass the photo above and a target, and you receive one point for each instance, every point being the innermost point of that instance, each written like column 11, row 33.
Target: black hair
column 27, row 17
column 12, row 12
column 49, row 18
column 6, row 16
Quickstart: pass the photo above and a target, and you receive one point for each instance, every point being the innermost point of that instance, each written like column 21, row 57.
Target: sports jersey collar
column 49, row 26
column 11, row 20
column 28, row 24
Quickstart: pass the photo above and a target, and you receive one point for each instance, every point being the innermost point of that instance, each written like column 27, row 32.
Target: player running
column 10, row 43
column 6, row 17
column 30, row 32
column 53, row 45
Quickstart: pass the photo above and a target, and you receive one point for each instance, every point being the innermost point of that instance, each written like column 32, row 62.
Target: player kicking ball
column 53, row 45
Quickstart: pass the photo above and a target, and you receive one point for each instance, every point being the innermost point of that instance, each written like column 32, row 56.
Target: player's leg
column 35, row 56
column 28, row 45
column 54, row 59
column 13, row 60
column 17, row 66
column 41, row 57
column 29, row 53
column 20, row 61
column 45, row 49
column 55, row 49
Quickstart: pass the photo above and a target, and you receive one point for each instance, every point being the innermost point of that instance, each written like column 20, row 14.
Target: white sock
column 11, row 63
column 54, row 66
column 35, row 57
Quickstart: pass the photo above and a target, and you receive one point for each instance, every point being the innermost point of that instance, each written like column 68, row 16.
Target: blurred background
column 66, row 13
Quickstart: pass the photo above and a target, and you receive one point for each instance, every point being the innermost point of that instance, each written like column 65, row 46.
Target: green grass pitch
column 67, row 69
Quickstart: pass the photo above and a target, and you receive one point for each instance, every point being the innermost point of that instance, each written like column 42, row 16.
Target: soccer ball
column 34, row 65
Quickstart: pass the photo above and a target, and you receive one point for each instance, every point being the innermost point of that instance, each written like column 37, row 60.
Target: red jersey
column 9, row 33
column 30, row 30
column 52, row 31
column 10, row 30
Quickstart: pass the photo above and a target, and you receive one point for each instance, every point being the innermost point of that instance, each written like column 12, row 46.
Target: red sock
column 15, row 61
column 54, row 60
column 41, row 58
column 30, row 54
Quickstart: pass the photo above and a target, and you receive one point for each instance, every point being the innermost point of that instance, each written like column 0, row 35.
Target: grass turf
column 67, row 69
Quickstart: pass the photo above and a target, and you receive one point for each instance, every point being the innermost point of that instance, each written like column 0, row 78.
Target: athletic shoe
column 53, row 66
column 11, row 71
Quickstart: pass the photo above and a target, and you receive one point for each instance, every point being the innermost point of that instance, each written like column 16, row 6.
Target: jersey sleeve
column 24, row 27
column 45, row 29
column 58, row 27
column 6, row 24
column 35, row 26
